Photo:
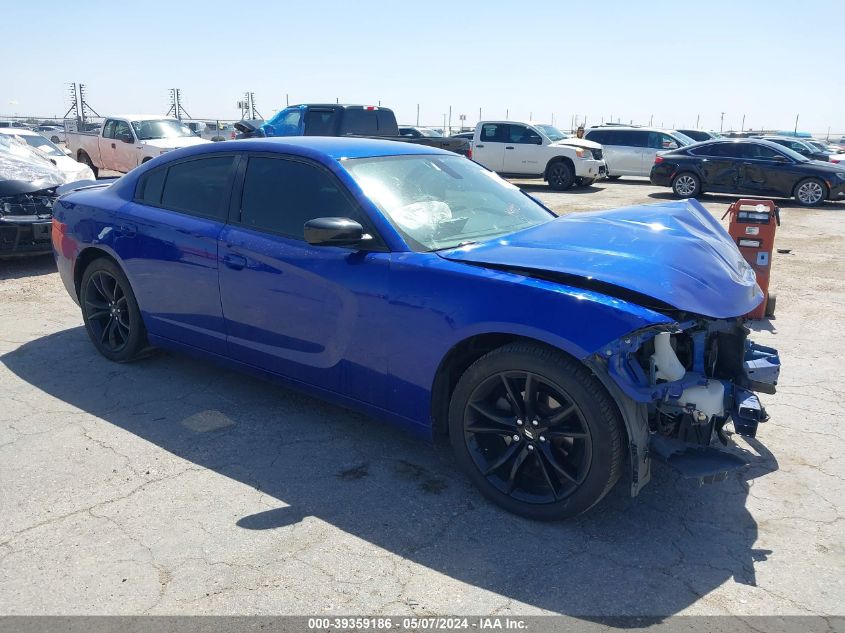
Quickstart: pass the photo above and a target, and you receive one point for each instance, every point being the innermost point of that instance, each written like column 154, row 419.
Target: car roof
column 639, row 128
column 320, row 147
column 140, row 117
column 713, row 141
column 18, row 131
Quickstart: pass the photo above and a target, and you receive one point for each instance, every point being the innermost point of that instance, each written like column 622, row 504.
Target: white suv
column 630, row 151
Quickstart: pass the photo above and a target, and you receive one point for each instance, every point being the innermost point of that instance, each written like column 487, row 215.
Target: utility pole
column 247, row 106
column 742, row 128
column 507, row 114
column 176, row 105
column 696, row 120
column 650, row 119
column 287, row 99
column 796, row 125
column 479, row 114
column 450, row 119
column 722, row 124
column 418, row 115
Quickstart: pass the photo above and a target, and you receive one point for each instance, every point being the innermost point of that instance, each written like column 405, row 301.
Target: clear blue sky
column 673, row 60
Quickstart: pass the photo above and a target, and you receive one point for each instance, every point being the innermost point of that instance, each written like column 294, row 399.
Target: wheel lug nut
column 515, row 438
column 542, row 438
column 530, row 447
column 519, row 422
column 535, row 423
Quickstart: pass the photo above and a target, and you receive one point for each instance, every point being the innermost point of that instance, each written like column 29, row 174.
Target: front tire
column 586, row 182
column 560, row 175
column 614, row 177
column 110, row 311
column 86, row 160
column 686, row 185
column 536, row 432
column 810, row 192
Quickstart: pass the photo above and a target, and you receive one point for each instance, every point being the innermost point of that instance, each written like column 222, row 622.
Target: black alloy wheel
column 110, row 312
column 527, row 437
column 536, row 432
column 560, row 176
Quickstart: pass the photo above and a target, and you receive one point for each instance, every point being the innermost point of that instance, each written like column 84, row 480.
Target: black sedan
column 748, row 166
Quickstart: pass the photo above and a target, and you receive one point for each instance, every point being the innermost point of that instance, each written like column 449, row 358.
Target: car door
column 718, row 164
column 126, row 155
column 107, row 144
column 309, row 313
column 167, row 238
column 489, row 150
column 628, row 152
column 764, row 171
column 522, row 151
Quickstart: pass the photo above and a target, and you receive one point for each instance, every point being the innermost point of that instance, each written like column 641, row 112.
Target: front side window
column 360, row 122
column 108, row 129
column 281, row 195
column 553, row 133
column 523, row 135
column 199, row 187
column 438, row 202
column 121, row 130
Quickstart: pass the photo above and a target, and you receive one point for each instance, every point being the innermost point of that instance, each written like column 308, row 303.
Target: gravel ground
column 170, row 486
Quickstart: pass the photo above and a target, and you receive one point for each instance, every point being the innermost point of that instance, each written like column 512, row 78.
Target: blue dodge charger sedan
column 552, row 354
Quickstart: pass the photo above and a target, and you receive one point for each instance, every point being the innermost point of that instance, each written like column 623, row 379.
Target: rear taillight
column 469, row 153
column 834, row 160
column 658, row 160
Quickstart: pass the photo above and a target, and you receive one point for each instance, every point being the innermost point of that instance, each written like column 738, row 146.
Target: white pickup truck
column 124, row 142
column 535, row 150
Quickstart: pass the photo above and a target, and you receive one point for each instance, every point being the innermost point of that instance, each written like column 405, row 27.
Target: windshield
column 162, row 128
column 793, row 154
column 42, row 144
column 552, row 132
column 684, row 139
column 429, row 132
column 439, row 202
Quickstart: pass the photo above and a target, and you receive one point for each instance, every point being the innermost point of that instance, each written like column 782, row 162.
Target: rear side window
column 199, row 187
column 108, row 129
column 598, row 136
column 758, row 152
column 360, row 122
column 281, row 195
column 631, row 138
column 320, row 122
column 494, row 133
column 151, row 186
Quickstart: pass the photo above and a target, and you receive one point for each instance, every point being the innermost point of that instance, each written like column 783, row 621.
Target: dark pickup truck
column 317, row 119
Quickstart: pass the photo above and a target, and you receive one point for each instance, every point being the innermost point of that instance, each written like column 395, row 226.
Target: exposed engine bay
column 685, row 385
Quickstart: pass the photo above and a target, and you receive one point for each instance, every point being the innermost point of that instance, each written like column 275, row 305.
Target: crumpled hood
column 675, row 252
column 175, row 143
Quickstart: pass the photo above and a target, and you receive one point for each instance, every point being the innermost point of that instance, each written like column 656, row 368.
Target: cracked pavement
column 171, row 486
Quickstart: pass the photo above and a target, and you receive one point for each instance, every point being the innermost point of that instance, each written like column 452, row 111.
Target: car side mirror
column 780, row 159
column 67, row 151
column 334, row 232
column 126, row 138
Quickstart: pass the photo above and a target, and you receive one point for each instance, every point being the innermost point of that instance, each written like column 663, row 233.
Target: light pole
column 722, row 124
column 796, row 125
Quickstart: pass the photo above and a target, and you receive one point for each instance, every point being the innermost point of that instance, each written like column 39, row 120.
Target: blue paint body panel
column 675, row 252
column 370, row 329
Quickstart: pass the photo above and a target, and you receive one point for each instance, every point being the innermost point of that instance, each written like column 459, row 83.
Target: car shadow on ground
column 537, row 188
column 28, row 266
column 653, row 556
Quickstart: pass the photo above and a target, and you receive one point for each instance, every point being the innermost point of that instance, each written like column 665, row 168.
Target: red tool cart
column 753, row 224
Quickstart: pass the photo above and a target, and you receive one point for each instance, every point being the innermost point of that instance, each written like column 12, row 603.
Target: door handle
column 112, row 146
column 127, row 230
column 235, row 262
column 509, row 147
column 479, row 146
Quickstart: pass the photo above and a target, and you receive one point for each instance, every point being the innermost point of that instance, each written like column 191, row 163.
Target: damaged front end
column 680, row 386
column 28, row 185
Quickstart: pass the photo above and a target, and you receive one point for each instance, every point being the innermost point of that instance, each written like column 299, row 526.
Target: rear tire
column 560, row 175
column 613, row 177
column 110, row 311
column 686, row 185
column 810, row 192
column 554, row 469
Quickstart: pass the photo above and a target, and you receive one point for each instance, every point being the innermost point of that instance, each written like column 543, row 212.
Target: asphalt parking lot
column 170, row 486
